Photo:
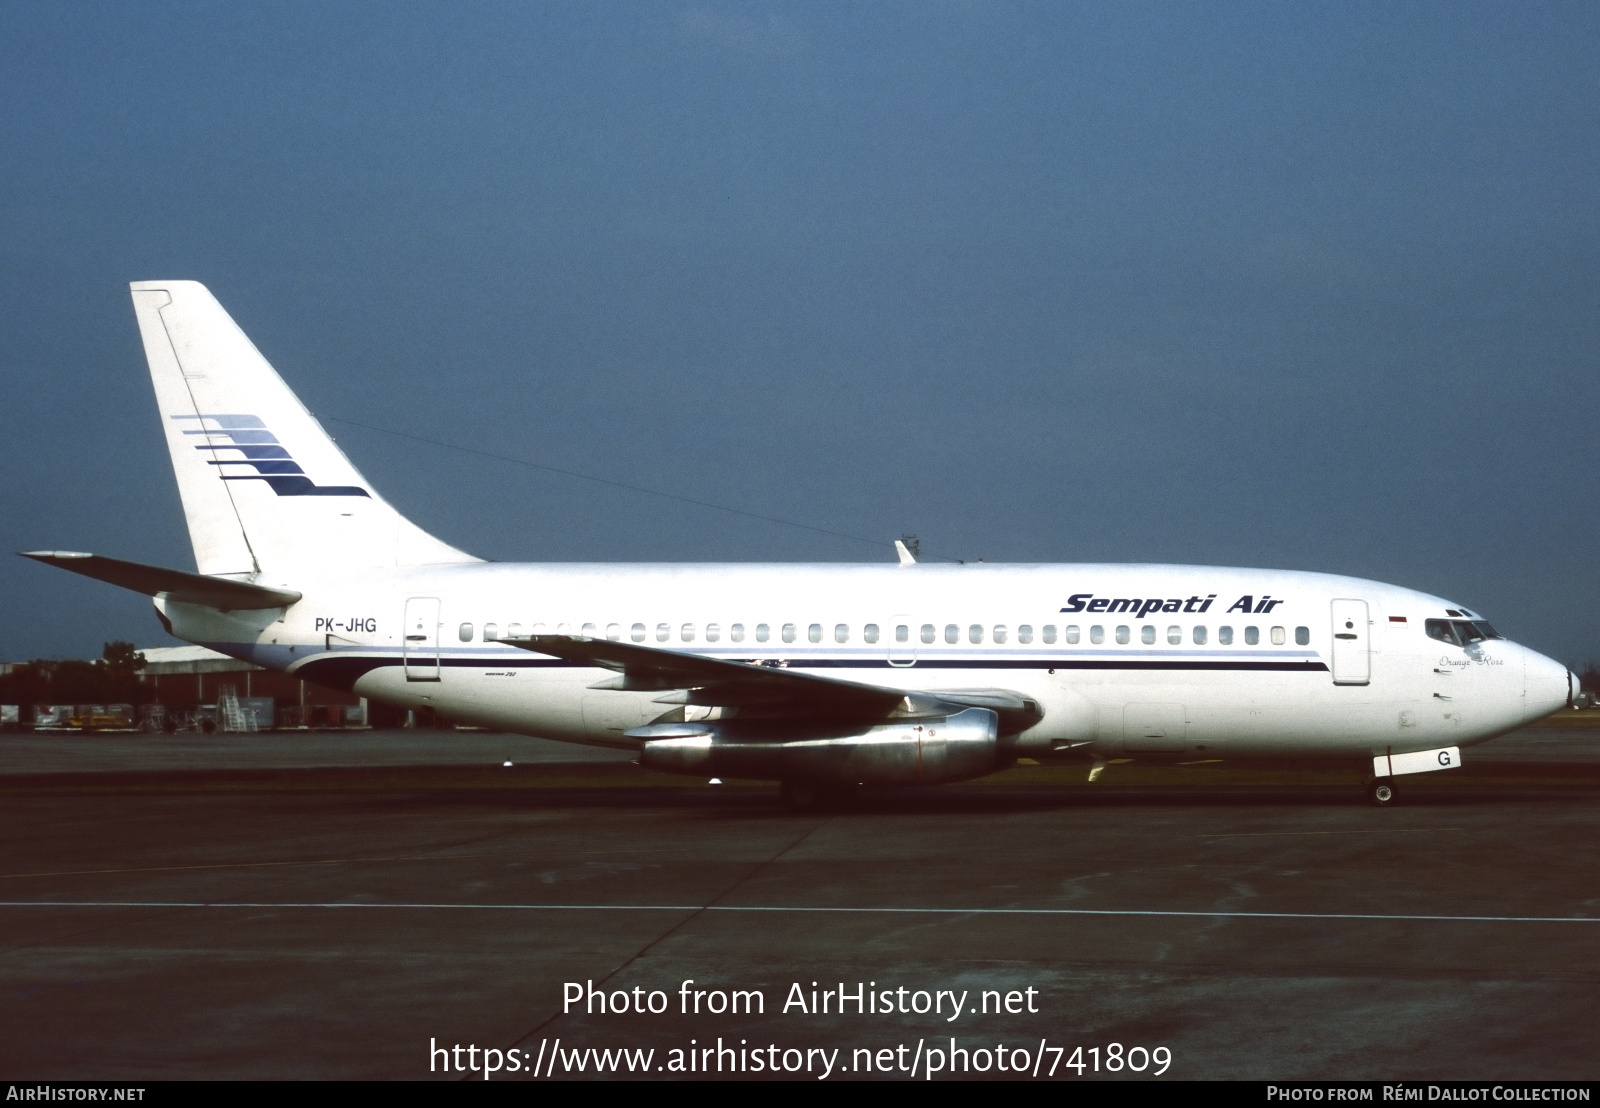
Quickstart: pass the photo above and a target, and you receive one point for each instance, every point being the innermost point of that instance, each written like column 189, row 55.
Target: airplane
column 822, row 677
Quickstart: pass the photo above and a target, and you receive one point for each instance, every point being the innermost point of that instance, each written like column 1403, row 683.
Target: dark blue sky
column 1301, row 285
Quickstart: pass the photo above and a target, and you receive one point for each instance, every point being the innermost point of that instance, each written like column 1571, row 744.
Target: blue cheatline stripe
column 1154, row 912
column 500, row 661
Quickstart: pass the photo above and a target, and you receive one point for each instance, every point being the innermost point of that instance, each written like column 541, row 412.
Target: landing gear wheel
column 839, row 795
column 816, row 796
column 1381, row 791
column 799, row 796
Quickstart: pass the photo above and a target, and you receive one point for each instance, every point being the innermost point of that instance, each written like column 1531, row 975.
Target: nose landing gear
column 1381, row 791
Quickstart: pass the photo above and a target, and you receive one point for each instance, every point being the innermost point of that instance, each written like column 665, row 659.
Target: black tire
column 799, row 796
column 839, row 795
column 816, row 796
column 1382, row 792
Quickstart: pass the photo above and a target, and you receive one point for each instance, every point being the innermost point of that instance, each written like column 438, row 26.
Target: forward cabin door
column 421, row 645
column 1352, row 661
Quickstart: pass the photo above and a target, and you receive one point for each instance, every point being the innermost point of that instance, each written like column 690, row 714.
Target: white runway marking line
column 427, row 856
column 255, row 905
column 1364, row 831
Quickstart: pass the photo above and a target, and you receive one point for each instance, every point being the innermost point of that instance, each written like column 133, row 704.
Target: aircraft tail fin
column 264, row 488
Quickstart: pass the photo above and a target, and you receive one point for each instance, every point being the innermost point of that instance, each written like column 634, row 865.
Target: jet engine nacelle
column 924, row 751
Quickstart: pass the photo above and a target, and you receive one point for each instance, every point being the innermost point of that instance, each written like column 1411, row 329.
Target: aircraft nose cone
column 1548, row 687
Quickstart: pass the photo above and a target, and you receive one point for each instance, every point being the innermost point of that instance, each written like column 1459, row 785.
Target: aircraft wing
column 714, row 682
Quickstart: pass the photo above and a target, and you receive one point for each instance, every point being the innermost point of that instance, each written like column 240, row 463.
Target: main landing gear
column 816, row 796
column 1381, row 791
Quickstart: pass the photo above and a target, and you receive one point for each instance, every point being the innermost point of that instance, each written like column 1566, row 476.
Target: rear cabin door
column 421, row 646
column 1352, row 661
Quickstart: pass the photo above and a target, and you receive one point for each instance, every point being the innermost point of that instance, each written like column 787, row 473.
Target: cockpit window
column 1443, row 630
column 1460, row 632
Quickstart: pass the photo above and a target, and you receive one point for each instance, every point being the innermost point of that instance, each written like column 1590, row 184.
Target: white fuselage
column 1122, row 659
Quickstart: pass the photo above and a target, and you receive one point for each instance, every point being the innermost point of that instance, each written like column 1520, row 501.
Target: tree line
column 112, row 679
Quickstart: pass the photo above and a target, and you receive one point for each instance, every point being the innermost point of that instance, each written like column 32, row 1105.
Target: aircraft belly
column 1271, row 714
column 1154, row 728
column 1223, row 729
column 606, row 715
column 543, row 703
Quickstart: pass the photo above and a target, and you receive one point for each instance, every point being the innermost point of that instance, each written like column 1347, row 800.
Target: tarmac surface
column 336, row 905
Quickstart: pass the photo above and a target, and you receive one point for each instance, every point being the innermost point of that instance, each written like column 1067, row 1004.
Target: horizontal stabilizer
column 170, row 584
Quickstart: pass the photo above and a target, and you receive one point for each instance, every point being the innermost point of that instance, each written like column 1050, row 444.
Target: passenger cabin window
column 1024, row 632
column 927, row 632
column 490, row 632
column 588, row 630
column 1147, row 635
column 814, row 633
column 841, row 632
column 1199, row 635
column 1174, row 635
column 1122, row 634
column 466, row 631
column 763, row 632
column 514, row 631
column 975, row 633
column 736, row 633
column 613, row 631
column 637, row 632
column 686, row 632
column 713, row 632
column 869, row 633
column 788, row 632
column 1459, row 632
column 1278, row 637
column 1252, row 635
column 1050, row 633
column 1225, row 636
column 1097, row 634
column 999, row 632
column 663, row 632
column 952, row 633
column 1302, row 636
column 902, row 633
